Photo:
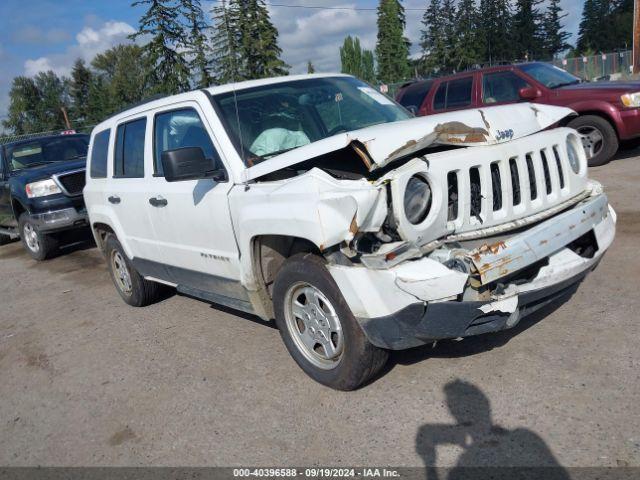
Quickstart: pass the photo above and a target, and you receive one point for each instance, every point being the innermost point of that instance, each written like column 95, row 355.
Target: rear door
column 191, row 218
column 129, row 190
column 454, row 94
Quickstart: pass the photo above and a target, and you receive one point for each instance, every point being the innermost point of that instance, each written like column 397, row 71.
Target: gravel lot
column 87, row 380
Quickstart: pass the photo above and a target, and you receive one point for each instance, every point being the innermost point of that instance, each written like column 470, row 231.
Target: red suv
column 608, row 112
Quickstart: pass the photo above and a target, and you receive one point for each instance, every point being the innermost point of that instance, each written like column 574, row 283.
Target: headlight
column 417, row 199
column 42, row 188
column 631, row 99
column 572, row 153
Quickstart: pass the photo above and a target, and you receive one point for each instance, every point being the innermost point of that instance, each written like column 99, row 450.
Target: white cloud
column 89, row 42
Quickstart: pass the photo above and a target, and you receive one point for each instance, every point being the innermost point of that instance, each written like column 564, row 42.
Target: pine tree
column 246, row 42
column 368, row 66
column 392, row 48
column 197, row 43
column 468, row 46
column 226, row 42
column 495, row 30
column 432, row 38
column 23, row 104
column 79, row 91
column 554, row 39
column 167, row 66
column 527, row 29
column 310, row 67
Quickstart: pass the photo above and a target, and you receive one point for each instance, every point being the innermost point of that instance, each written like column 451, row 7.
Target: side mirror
column 529, row 93
column 189, row 163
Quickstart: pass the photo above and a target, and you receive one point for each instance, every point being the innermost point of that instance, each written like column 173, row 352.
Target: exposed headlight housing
column 572, row 153
column 417, row 199
column 42, row 188
column 631, row 99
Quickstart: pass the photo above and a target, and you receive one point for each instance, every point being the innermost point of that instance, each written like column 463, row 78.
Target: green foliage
column 469, row 46
column 168, row 69
column 440, row 39
column 527, row 24
column 36, row 103
column 554, row 39
column 246, row 42
column 197, row 44
column 79, row 91
column 392, row 48
column 357, row 61
column 310, row 67
column 605, row 25
column 495, row 30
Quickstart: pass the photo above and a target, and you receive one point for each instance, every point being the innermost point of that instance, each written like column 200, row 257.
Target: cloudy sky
column 39, row 35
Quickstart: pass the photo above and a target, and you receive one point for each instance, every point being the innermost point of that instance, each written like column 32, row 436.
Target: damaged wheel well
column 270, row 252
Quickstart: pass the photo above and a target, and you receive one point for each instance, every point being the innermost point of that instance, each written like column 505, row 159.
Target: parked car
column 608, row 112
column 319, row 202
column 41, row 182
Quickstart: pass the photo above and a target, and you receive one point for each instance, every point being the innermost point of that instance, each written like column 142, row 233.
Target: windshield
column 549, row 75
column 275, row 118
column 42, row 151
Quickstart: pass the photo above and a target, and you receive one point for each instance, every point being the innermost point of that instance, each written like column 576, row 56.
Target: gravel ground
column 87, row 380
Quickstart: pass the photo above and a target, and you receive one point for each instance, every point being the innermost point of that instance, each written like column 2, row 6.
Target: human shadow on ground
column 488, row 449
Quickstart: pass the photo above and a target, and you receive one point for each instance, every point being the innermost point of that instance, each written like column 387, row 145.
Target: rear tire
column 39, row 245
column 132, row 287
column 323, row 336
column 599, row 139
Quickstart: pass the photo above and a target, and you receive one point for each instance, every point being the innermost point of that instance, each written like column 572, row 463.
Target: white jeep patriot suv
column 319, row 202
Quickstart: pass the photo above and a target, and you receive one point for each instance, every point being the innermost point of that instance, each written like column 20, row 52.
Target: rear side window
column 129, row 154
column 413, row 95
column 99, row 154
column 179, row 129
column 453, row 94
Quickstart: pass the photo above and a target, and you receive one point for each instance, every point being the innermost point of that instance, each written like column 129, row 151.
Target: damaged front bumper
column 419, row 301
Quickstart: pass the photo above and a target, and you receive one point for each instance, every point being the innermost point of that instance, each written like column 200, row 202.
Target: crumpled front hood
column 387, row 142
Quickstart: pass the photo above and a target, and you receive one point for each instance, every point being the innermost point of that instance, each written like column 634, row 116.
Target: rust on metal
column 406, row 146
column 458, row 132
column 362, row 152
column 353, row 227
column 484, row 119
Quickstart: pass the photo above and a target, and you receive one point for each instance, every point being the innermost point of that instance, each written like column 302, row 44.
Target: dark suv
column 608, row 112
column 41, row 182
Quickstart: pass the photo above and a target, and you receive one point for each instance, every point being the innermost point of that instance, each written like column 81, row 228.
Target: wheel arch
column 603, row 113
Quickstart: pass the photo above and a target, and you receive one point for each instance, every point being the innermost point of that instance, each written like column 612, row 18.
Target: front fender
column 313, row 206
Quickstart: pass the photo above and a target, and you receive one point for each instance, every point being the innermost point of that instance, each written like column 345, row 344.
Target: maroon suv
column 608, row 112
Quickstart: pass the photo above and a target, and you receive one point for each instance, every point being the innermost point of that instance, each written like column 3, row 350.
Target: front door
column 191, row 218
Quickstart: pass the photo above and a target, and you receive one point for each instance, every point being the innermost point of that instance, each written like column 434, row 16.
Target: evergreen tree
column 526, row 28
column 246, row 42
column 468, row 46
column 368, row 66
column 167, row 67
column 197, row 43
column 310, row 67
column 79, row 91
column 226, row 42
column 495, row 31
column 22, row 116
column 432, row 38
column 259, row 42
column 554, row 39
column 392, row 48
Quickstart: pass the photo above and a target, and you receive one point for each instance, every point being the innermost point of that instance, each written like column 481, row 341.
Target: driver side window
column 179, row 129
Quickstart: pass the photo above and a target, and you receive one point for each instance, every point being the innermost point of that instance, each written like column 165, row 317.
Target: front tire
column 318, row 328
column 599, row 139
column 132, row 287
column 39, row 245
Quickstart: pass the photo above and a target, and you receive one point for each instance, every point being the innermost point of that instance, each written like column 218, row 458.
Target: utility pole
column 635, row 56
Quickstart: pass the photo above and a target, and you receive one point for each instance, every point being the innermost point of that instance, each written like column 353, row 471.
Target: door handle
column 114, row 199
column 158, row 201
